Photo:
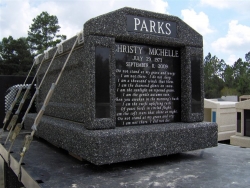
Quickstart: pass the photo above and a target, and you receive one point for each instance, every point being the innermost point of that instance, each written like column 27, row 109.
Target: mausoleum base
column 125, row 143
column 242, row 141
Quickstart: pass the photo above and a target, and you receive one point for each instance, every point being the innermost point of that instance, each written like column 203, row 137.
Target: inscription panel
column 147, row 84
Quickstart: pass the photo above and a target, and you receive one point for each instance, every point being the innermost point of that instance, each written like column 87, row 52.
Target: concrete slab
column 222, row 166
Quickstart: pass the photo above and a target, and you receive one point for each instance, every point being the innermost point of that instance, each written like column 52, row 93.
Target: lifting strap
column 28, row 138
column 13, row 134
column 9, row 112
column 16, row 115
column 17, row 95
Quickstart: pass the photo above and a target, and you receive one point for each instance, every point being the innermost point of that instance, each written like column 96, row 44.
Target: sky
column 224, row 24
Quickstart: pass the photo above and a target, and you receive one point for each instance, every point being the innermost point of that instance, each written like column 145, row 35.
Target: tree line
column 16, row 55
column 221, row 79
column 16, row 58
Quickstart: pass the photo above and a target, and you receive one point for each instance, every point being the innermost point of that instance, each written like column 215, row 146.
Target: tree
column 247, row 56
column 42, row 33
column 229, row 91
column 242, row 76
column 213, row 76
column 228, row 76
column 16, row 58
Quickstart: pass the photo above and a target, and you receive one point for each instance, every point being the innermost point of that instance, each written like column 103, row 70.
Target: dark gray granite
column 70, row 118
column 125, row 143
column 89, row 82
column 114, row 24
column 74, row 97
column 186, row 85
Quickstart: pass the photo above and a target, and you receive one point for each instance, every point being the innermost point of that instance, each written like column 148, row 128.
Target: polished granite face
column 133, row 89
column 148, row 80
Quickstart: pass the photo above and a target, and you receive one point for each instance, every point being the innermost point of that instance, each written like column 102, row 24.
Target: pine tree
column 42, row 33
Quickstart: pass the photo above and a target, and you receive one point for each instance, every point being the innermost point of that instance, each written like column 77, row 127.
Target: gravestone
column 133, row 89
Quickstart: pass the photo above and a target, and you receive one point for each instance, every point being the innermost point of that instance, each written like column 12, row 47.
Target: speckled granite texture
column 69, row 94
column 70, row 121
column 125, row 143
column 74, row 98
column 114, row 25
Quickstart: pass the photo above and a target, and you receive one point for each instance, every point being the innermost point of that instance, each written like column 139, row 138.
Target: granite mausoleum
column 133, row 89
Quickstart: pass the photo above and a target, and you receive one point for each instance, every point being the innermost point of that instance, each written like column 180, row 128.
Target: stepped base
column 125, row 143
column 242, row 141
